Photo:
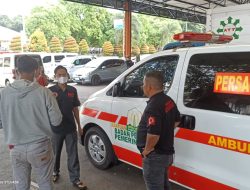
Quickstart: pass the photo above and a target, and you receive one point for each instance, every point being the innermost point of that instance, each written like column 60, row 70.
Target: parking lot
column 119, row 177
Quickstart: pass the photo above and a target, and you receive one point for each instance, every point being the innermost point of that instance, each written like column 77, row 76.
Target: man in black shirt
column 68, row 102
column 155, row 133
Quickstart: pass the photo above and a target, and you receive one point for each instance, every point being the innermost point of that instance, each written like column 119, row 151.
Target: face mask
column 62, row 80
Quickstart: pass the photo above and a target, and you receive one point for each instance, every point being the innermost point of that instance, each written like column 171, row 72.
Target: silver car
column 100, row 69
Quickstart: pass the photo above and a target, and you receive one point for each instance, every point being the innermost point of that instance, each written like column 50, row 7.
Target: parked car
column 8, row 63
column 100, row 69
column 50, row 61
column 74, row 63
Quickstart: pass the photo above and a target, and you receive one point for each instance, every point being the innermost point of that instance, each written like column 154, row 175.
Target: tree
column 135, row 50
column 193, row 27
column 53, row 21
column 83, row 47
column 15, row 44
column 14, row 23
column 144, row 49
column 152, row 49
column 108, row 48
column 55, row 45
column 38, row 42
column 93, row 23
column 169, row 29
column 70, row 45
column 118, row 50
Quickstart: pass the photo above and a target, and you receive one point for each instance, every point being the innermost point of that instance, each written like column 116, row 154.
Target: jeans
column 155, row 171
column 37, row 156
column 72, row 153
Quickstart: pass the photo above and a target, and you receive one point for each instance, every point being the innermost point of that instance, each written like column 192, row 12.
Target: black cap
column 26, row 64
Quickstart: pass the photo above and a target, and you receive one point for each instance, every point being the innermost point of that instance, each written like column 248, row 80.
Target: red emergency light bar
column 202, row 37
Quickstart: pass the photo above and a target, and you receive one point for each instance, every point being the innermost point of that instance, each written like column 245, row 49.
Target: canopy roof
column 189, row 10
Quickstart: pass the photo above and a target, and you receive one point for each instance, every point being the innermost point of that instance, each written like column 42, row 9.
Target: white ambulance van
column 211, row 86
column 8, row 63
column 51, row 60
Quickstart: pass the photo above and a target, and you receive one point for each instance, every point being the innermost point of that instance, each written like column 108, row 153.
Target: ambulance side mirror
column 187, row 122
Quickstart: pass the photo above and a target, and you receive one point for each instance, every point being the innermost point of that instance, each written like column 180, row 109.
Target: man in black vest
column 155, row 134
column 68, row 102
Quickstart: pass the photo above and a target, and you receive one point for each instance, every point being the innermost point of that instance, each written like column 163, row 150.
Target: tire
column 95, row 80
column 99, row 149
column 7, row 83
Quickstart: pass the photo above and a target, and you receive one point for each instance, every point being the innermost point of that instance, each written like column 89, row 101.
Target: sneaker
column 55, row 177
column 80, row 185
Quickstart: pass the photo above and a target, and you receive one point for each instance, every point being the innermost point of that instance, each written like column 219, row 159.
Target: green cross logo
column 230, row 27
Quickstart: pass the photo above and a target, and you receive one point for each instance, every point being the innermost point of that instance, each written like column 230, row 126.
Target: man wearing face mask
column 68, row 102
column 28, row 111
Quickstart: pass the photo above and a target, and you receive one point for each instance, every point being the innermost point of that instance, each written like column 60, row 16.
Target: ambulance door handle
column 187, row 122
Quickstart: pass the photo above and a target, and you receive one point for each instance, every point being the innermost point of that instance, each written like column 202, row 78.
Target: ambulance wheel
column 98, row 148
column 95, row 80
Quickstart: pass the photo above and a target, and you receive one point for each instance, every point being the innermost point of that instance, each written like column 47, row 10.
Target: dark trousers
column 155, row 171
column 72, row 153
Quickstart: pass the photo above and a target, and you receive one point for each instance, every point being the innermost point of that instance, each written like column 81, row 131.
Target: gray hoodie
column 27, row 112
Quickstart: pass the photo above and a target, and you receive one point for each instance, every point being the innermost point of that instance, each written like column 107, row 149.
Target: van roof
column 210, row 46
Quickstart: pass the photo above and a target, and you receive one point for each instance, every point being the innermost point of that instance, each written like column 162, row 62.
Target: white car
column 74, row 63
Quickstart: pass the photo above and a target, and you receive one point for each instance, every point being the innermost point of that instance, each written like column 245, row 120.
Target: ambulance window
column 58, row 58
column 6, row 62
column 133, row 81
column 1, row 62
column 47, row 59
column 200, row 84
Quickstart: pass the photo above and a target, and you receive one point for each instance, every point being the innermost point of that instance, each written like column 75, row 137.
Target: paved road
column 119, row 177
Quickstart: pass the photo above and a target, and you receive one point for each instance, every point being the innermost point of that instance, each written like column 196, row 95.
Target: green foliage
column 135, row 50
column 144, row 49
column 55, row 45
column 70, row 45
column 108, row 48
column 16, row 44
column 38, row 42
column 95, row 25
column 52, row 21
column 83, row 47
column 118, row 50
column 152, row 49
column 14, row 23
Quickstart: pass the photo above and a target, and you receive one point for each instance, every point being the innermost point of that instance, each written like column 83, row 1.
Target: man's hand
column 80, row 131
column 146, row 152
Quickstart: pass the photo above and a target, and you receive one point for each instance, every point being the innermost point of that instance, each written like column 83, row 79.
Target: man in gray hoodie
column 28, row 111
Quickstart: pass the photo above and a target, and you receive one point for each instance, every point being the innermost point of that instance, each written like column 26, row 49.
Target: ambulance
column 211, row 87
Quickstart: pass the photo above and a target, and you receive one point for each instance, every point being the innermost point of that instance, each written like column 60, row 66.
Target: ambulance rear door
column 215, row 90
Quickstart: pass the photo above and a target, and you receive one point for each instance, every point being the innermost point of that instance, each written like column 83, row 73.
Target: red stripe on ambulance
column 108, row 117
column 123, row 120
column 195, row 181
column 215, row 140
column 176, row 174
column 89, row 112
